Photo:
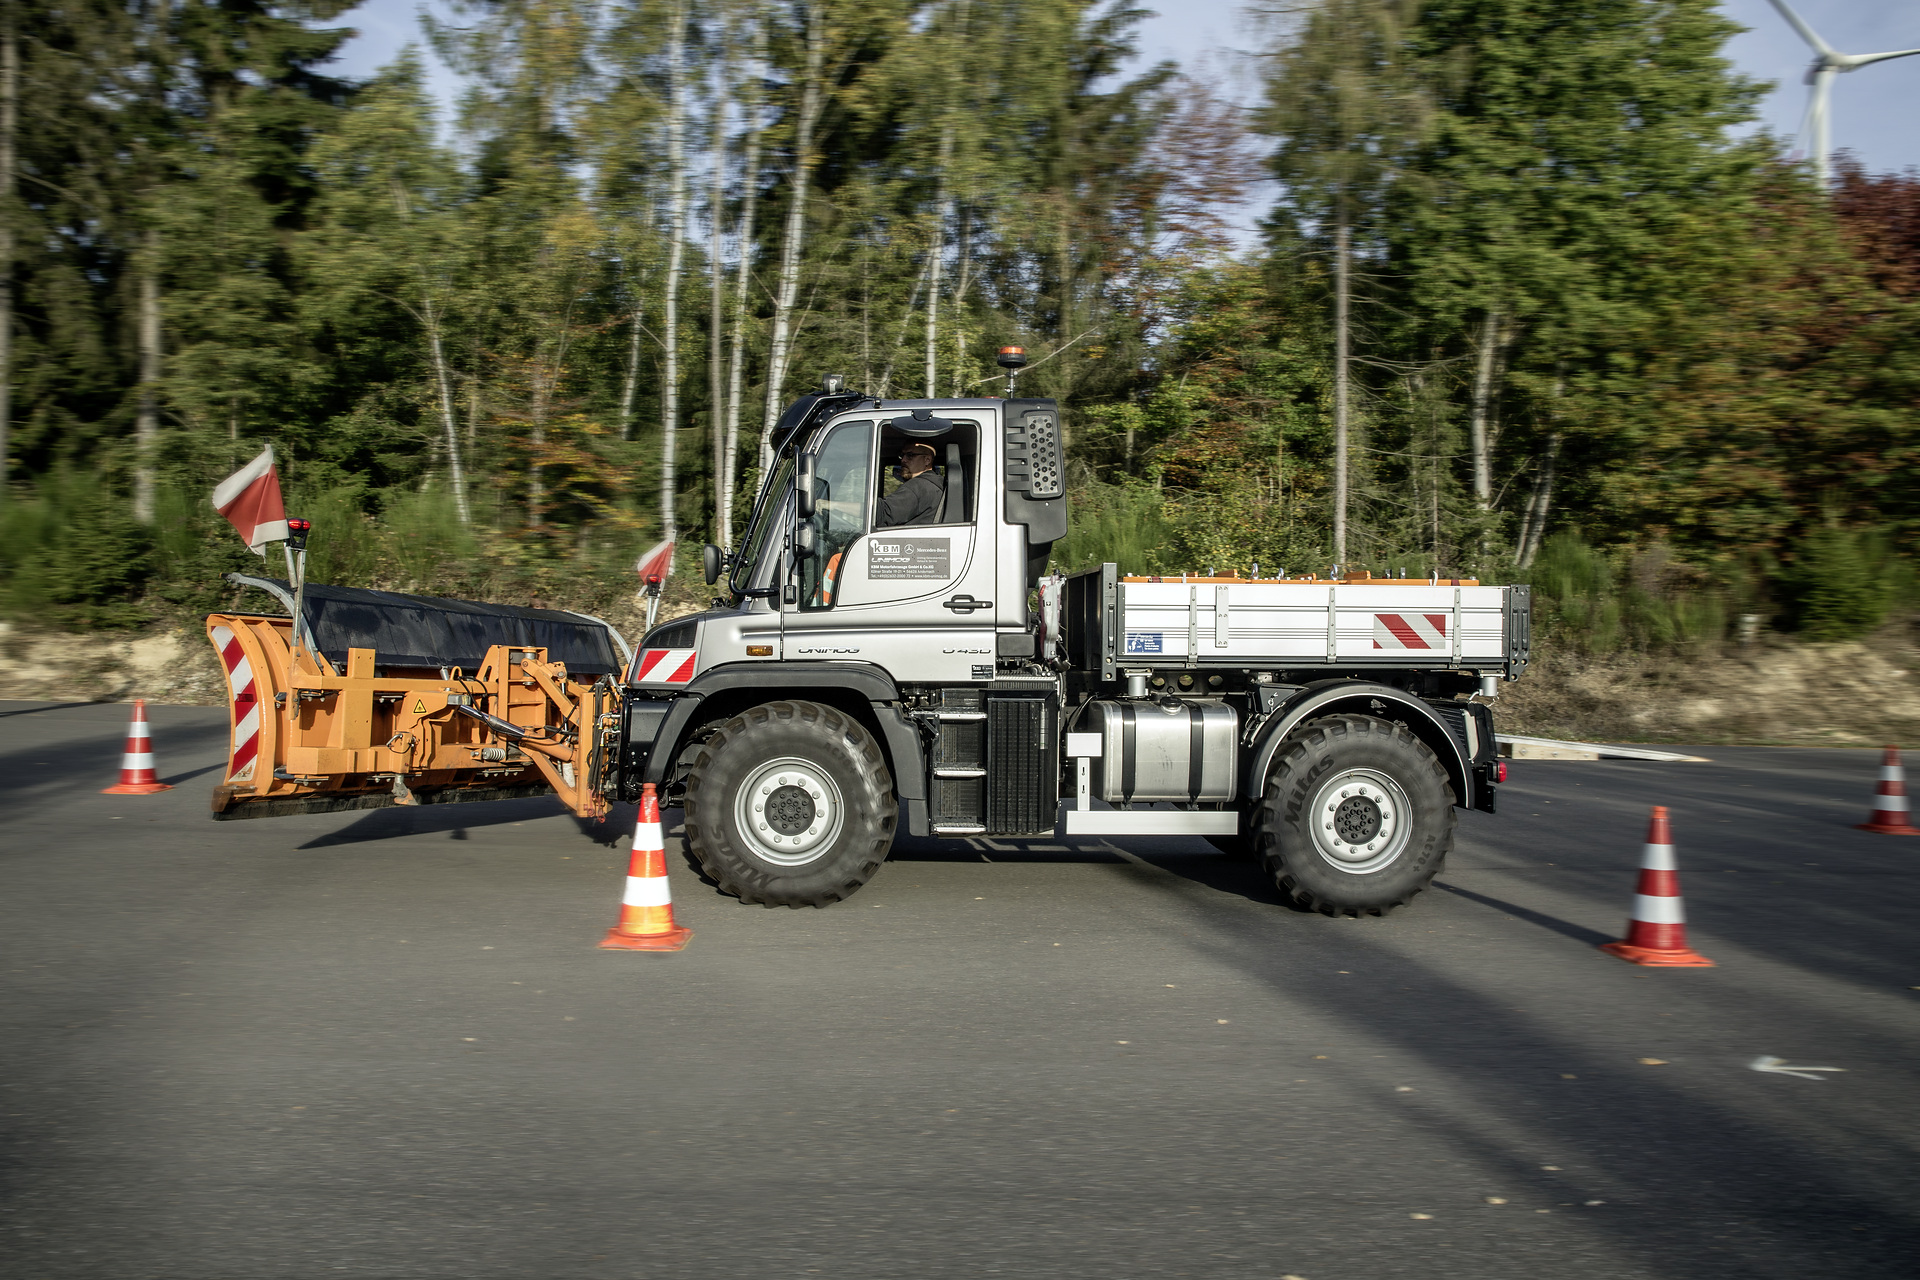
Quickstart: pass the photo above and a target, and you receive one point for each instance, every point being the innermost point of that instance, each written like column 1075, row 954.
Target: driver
column 921, row 498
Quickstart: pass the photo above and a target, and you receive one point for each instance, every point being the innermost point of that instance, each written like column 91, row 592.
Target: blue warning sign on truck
column 1146, row 642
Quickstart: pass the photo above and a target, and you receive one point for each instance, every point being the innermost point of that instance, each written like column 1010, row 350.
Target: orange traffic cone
column 646, row 909
column 1889, row 817
column 136, row 766
column 1657, row 930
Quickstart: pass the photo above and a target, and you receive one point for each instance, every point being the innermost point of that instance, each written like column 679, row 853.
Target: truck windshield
column 760, row 533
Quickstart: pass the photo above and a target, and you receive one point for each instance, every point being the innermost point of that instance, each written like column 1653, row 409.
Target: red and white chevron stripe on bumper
column 246, row 706
column 1409, row 630
column 664, row 666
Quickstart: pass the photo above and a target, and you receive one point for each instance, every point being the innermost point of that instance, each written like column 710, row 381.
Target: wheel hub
column 790, row 811
column 1359, row 820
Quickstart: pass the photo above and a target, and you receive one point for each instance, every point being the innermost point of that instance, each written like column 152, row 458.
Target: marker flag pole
column 296, row 549
column 654, row 569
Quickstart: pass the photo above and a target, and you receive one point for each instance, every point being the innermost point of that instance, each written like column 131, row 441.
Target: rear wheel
column 789, row 804
column 1357, row 817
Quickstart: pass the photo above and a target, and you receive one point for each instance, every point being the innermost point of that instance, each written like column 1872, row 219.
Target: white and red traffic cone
column 1889, row 817
column 646, row 909
column 1657, row 930
column 136, row 765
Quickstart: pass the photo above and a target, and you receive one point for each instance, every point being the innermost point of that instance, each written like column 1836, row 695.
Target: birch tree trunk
column 900, row 334
column 752, row 108
column 1477, row 422
column 960, row 287
column 633, row 371
column 536, row 481
column 455, row 471
column 9, row 96
column 1534, row 529
column 936, row 260
column 146, row 422
column 429, row 317
column 1341, row 289
column 676, row 254
column 716, row 294
column 812, row 96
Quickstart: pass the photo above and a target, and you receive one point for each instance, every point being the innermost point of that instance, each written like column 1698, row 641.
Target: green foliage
column 1841, row 583
column 346, row 545
column 1123, row 523
column 71, row 556
column 1659, row 339
column 1601, row 602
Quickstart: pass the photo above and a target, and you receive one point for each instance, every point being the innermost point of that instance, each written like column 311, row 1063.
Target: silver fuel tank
column 1167, row 750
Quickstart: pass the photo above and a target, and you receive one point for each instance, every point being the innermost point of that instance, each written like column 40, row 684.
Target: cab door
column 918, row 600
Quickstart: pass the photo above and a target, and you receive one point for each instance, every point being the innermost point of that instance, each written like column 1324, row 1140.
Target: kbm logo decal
column 911, row 558
column 1146, row 642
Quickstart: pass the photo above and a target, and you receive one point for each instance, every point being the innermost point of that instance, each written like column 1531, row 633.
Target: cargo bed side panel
column 1312, row 624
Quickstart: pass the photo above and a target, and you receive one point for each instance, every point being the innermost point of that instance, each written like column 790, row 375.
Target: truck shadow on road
column 457, row 819
column 1566, row 928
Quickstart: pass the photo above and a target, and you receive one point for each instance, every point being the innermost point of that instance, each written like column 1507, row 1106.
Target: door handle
column 967, row 604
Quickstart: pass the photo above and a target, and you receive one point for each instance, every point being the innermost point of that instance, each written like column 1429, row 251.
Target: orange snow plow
column 394, row 699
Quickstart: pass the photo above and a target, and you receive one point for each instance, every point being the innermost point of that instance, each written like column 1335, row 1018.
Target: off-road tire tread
column 868, row 824
column 1290, row 780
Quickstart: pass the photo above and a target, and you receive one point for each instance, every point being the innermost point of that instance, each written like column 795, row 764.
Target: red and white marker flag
column 656, row 564
column 250, row 500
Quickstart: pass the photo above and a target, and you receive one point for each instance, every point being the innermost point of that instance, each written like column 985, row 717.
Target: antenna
column 1828, row 62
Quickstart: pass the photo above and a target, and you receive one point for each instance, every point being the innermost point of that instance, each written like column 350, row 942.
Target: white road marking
column 1779, row 1067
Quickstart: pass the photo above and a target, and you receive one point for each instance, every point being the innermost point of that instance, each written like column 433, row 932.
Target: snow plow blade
column 410, row 700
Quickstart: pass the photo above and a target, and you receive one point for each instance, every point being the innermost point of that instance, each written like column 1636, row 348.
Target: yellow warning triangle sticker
column 419, row 706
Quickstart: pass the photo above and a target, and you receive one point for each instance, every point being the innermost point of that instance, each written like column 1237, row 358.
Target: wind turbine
column 1827, row 63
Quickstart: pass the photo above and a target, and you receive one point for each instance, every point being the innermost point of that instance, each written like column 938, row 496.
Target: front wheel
column 789, row 804
column 1357, row 817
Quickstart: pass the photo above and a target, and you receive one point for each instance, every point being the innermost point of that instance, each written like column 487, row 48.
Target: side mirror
column 712, row 561
column 806, row 541
column 803, row 486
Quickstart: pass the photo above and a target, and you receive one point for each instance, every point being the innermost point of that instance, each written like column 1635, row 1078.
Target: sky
column 1875, row 109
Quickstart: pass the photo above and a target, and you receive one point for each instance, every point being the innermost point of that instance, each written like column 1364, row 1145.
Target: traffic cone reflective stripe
column 646, row 907
column 1889, row 817
column 1657, row 930
column 137, row 777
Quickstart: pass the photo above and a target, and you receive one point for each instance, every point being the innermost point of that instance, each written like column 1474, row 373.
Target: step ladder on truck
column 860, row 677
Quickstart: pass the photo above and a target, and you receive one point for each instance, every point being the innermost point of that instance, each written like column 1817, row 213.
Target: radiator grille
column 961, row 745
column 1023, row 795
column 958, row 800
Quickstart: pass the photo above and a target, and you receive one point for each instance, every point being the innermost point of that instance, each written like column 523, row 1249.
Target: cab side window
column 955, row 471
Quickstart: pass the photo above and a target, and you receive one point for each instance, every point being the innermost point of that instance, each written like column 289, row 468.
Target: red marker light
column 654, row 579
column 1500, row 772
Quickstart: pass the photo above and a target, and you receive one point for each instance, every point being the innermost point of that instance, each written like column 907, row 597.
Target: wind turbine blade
column 1862, row 59
column 1806, row 32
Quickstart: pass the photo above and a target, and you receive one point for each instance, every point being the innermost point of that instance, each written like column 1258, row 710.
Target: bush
column 1602, row 601
column 1842, row 583
column 71, row 555
column 1124, row 523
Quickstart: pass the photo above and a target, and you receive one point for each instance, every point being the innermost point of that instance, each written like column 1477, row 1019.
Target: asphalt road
column 384, row 1045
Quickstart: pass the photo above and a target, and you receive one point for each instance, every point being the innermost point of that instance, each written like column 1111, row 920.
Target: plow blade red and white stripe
column 1410, row 631
column 246, row 705
column 665, row 666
